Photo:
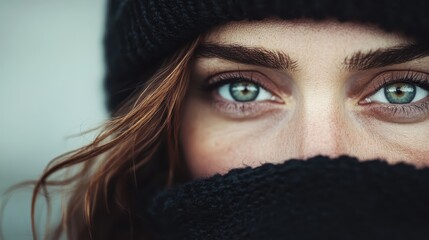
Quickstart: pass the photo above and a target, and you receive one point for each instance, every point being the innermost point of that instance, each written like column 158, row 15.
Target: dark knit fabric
column 320, row 198
column 141, row 33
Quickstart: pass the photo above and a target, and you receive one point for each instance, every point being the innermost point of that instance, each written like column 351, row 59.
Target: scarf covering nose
column 319, row 198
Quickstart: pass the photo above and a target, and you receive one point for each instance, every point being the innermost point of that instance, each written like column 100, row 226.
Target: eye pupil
column 244, row 91
column 400, row 93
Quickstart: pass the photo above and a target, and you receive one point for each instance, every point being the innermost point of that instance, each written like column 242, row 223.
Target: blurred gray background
column 51, row 70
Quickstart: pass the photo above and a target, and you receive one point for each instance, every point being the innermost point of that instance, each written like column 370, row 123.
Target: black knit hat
column 140, row 33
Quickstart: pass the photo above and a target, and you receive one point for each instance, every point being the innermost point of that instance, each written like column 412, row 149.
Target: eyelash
column 230, row 77
column 420, row 79
column 397, row 110
column 402, row 110
column 240, row 109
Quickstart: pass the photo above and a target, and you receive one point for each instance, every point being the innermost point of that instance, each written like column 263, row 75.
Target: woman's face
column 273, row 90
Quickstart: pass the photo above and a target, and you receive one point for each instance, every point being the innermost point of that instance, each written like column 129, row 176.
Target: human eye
column 242, row 93
column 400, row 96
column 243, row 90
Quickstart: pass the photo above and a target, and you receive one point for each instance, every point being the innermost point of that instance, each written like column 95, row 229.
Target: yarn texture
column 319, row 198
column 141, row 33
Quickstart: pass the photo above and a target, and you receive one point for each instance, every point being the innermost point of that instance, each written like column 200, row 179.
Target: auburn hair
column 108, row 182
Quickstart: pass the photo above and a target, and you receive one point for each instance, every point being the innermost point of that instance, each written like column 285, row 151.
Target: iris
column 400, row 93
column 244, row 91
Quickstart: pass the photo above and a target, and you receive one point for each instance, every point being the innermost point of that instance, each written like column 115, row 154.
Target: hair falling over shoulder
column 137, row 151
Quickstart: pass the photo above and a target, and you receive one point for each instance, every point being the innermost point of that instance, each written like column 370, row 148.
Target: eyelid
column 396, row 113
column 389, row 77
column 242, row 110
column 256, row 77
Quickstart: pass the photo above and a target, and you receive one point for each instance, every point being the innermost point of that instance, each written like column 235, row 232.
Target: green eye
column 244, row 91
column 400, row 93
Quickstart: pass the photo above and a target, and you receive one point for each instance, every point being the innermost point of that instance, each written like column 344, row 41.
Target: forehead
column 306, row 37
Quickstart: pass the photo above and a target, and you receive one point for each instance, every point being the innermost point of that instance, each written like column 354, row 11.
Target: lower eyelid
column 399, row 113
column 242, row 110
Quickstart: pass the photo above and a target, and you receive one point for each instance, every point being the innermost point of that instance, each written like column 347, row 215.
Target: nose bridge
column 320, row 121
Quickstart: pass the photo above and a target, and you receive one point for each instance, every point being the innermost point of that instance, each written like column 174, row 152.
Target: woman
column 199, row 88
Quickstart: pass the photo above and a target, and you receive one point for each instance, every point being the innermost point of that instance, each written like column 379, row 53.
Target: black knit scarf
column 319, row 198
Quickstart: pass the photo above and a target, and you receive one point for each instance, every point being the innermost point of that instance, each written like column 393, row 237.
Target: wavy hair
column 109, row 181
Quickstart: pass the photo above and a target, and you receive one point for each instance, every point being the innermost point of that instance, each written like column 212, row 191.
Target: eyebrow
column 385, row 57
column 247, row 55
column 278, row 60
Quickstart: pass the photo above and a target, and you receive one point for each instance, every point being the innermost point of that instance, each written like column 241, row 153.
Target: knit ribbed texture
column 140, row 33
column 319, row 198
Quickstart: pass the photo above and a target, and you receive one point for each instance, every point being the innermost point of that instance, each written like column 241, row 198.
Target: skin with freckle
column 217, row 108
column 320, row 107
